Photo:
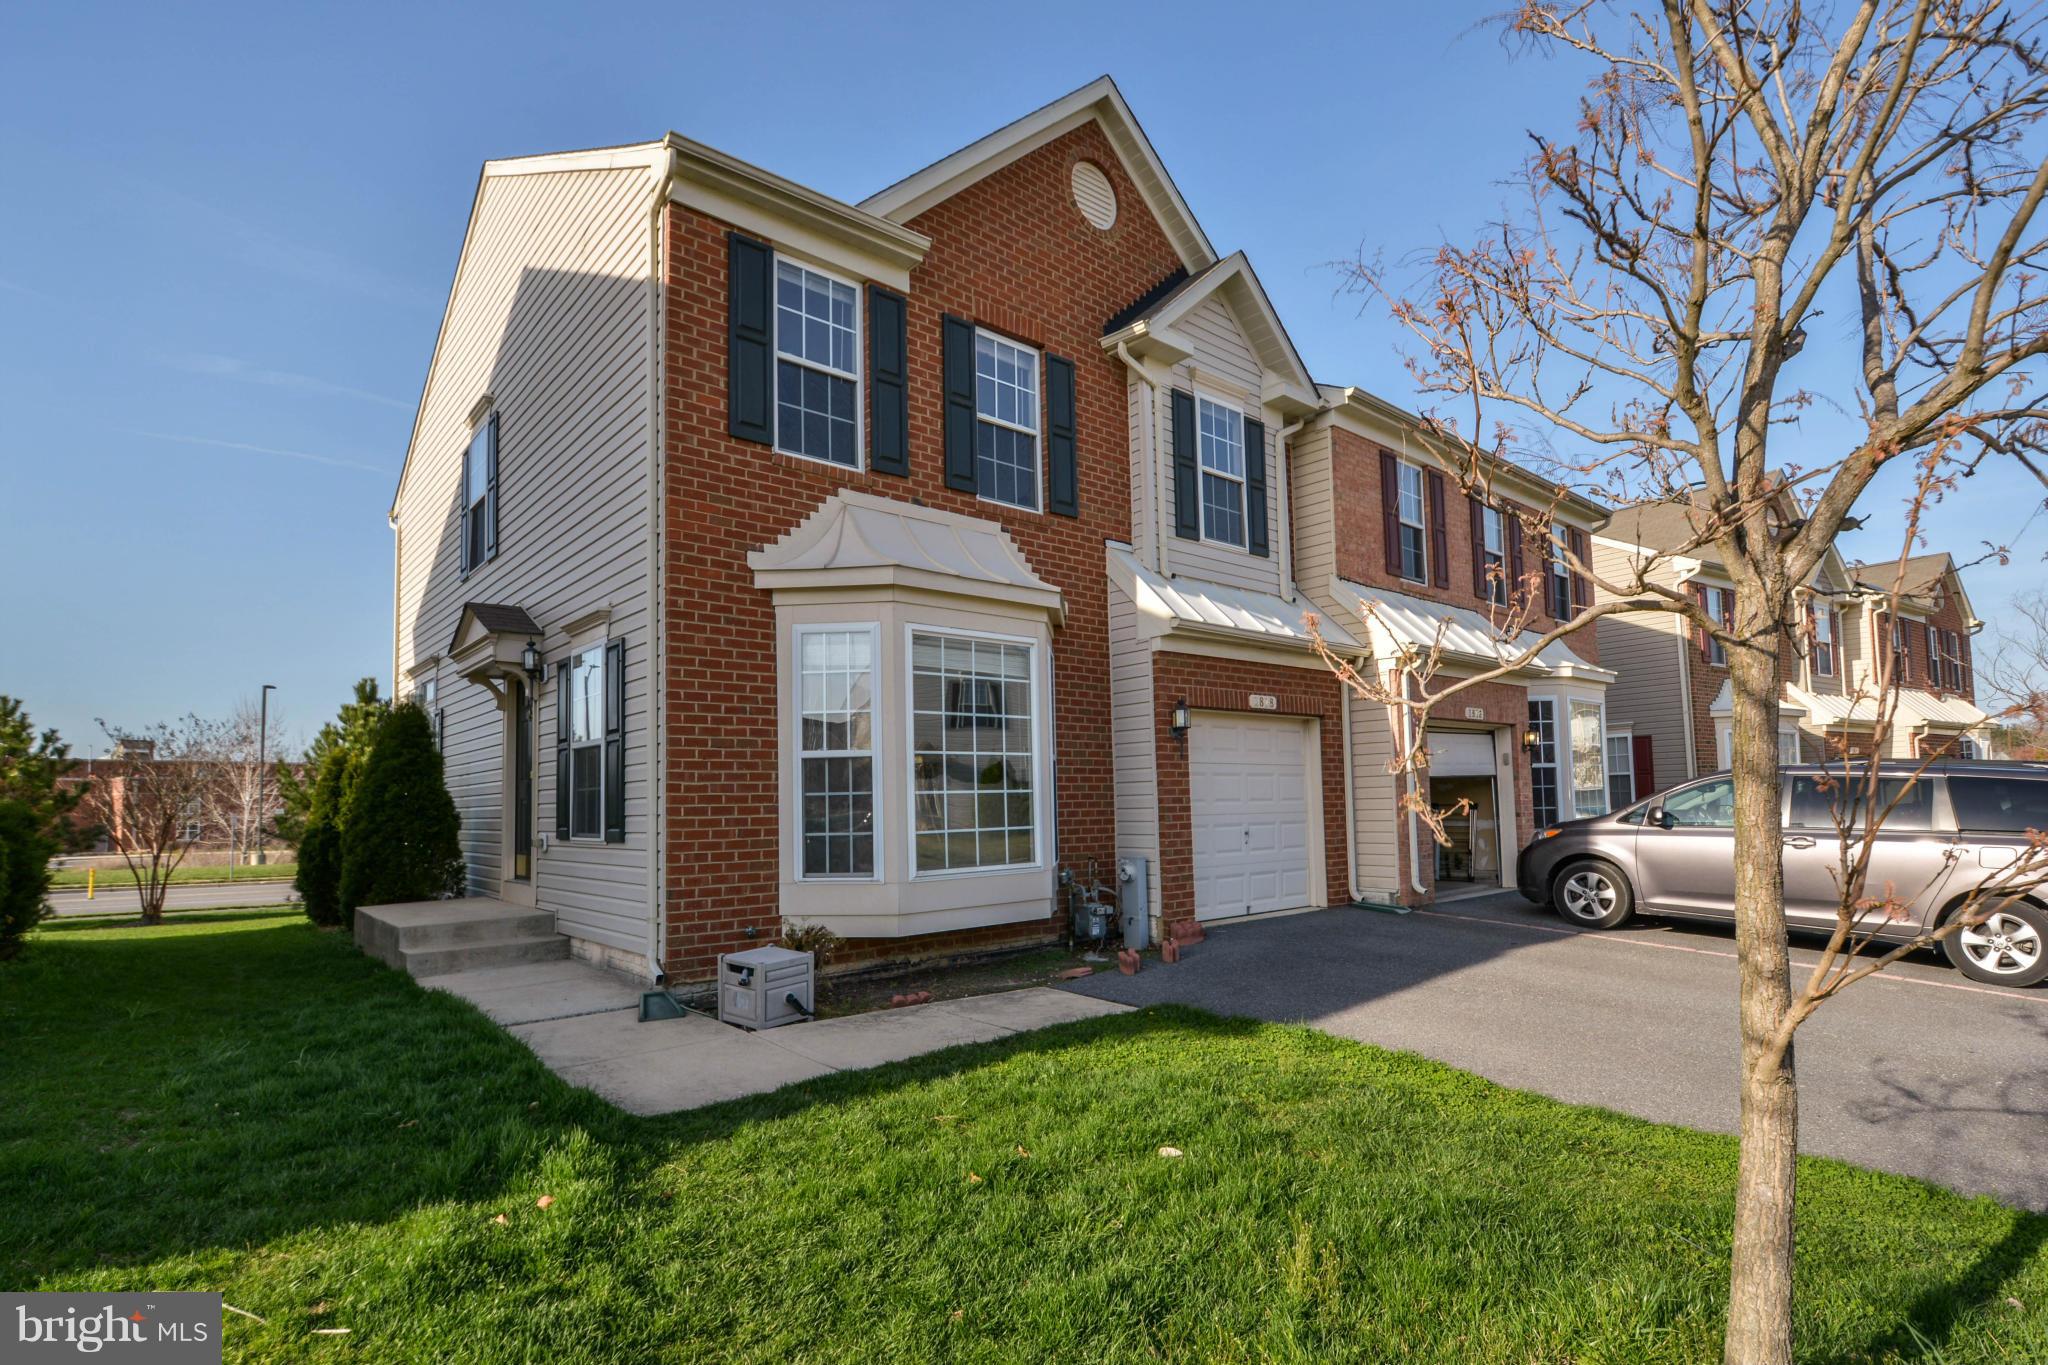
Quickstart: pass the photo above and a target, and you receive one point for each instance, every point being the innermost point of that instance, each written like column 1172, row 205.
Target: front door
column 522, row 783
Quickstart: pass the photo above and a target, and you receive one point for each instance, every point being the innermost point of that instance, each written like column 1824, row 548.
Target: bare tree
column 1737, row 166
column 150, row 797
column 2016, row 674
column 245, row 757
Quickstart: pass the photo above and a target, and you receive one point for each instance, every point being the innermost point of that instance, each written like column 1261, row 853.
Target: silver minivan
column 1956, row 827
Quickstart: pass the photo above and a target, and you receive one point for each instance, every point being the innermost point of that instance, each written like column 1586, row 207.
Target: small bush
column 400, row 834
column 25, row 853
column 319, row 875
column 814, row 939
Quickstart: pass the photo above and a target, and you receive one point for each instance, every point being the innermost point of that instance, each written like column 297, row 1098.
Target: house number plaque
column 1262, row 701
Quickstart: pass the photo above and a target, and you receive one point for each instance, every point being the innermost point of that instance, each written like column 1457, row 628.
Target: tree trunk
column 1760, row 1273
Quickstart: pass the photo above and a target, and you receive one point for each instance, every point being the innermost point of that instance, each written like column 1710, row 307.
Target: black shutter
column 1187, row 476
column 1255, row 487
column 491, row 490
column 889, row 383
column 562, row 747
column 1390, row 511
column 750, row 340
column 1439, row 530
column 958, row 347
column 1063, row 478
column 462, row 509
column 615, row 742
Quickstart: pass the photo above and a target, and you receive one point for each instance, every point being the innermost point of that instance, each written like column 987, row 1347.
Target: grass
column 248, row 1105
column 119, row 878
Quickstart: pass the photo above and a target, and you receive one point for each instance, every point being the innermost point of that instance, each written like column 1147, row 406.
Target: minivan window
column 1999, row 805
column 1711, row 805
column 1815, row 801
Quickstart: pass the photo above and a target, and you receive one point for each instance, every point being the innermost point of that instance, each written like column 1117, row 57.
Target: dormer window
column 1222, row 454
column 1413, row 529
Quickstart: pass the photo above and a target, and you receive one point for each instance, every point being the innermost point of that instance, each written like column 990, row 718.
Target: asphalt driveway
column 1917, row 1071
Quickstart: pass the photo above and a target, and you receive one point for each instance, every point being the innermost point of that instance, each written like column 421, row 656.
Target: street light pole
column 262, row 769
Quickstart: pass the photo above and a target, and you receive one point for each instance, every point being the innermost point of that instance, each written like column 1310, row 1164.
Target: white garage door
column 1459, row 753
column 1248, row 783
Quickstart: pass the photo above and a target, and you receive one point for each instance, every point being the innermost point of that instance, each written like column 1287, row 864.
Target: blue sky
column 229, row 232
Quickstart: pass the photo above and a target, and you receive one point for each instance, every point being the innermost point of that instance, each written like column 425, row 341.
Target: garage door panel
column 1248, row 784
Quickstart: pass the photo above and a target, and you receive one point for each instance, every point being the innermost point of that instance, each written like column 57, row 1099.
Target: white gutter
column 657, row 666
column 1408, row 744
column 1149, row 435
column 397, row 563
column 1350, row 795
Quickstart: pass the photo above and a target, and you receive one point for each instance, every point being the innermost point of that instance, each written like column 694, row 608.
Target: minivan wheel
column 1594, row 894
column 2010, row 948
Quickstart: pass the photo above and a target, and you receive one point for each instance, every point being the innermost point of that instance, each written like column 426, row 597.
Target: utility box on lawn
column 765, row 987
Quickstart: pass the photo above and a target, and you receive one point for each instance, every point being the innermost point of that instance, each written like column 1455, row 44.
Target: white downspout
column 1350, row 795
column 1286, row 514
column 1408, row 747
column 657, row 824
column 1150, row 437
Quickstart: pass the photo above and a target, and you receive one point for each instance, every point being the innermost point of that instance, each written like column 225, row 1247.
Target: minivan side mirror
column 1660, row 817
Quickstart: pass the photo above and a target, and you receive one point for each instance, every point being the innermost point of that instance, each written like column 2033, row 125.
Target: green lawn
column 119, row 878
column 248, row 1105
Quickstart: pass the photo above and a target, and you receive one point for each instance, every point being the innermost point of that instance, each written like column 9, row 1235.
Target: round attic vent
column 1093, row 195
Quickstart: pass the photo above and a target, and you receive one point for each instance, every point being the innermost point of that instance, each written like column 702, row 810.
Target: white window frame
column 874, row 751
column 1557, row 785
column 597, row 649
column 859, row 465
column 1724, row 744
column 1040, row 769
column 480, row 463
column 1599, row 709
column 1204, row 472
column 1402, row 469
column 1824, row 637
column 1494, row 522
column 1719, row 603
column 1627, row 739
column 1037, row 504
column 1558, row 590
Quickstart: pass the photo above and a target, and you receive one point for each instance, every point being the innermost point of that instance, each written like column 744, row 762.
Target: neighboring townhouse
column 1390, row 549
column 1930, row 637
column 1674, row 700
column 765, row 557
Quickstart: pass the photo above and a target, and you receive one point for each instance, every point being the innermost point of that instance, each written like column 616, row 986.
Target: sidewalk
column 584, row 1023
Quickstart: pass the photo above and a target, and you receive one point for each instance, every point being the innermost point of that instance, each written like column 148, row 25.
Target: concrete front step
column 433, row 938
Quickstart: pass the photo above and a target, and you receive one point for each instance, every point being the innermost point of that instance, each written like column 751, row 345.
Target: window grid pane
column 817, row 389
column 1006, row 436
column 1589, row 765
column 1543, row 763
column 835, row 700
column 972, row 762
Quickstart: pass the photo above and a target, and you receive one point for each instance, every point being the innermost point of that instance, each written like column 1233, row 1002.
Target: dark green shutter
column 888, row 383
column 750, row 340
column 615, row 742
column 562, row 747
column 1255, row 487
column 1187, row 486
column 959, row 387
column 1063, row 475
column 491, row 493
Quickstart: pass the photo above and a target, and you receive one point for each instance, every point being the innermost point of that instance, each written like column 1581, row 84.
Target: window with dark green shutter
column 584, row 746
column 562, row 747
column 1255, row 486
column 889, row 378
column 1063, row 477
column 750, row 340
column 1187, row 478
column 615, row 742
column 957, row 344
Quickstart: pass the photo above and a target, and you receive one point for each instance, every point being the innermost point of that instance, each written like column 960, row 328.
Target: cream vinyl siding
column 1133, row 738
column 1315, row 520
column 1144, row 470
column 551, row 316
column 1647, row 651
column 1376, row 822
column 1223, row 369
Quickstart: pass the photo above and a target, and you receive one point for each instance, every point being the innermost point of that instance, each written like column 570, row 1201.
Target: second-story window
column 1559, row 585
column 1006, row 434
column 1222, row 452
column 1414, row 530
column 1493, row 562
column 817, row 366
column 480, row 495
column 1824, row 641
column 1720, row 604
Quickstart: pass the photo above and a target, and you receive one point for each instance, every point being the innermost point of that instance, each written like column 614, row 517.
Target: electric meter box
column 766, row 987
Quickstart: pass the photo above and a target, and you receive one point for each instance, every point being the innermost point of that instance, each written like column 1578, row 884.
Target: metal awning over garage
column 1168, row 606
column 1397, row 624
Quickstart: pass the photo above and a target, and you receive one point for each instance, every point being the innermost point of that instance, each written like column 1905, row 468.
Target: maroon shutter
column 1884, row 639
column 1582, row 595
column 1478, row 547
column 1516, row 582
column 1965, row 684
column 1439, row 530
column 1699, row 632
column 1640, row 754
column 1390, row 512
column 1929, row 670
column 1543, row 557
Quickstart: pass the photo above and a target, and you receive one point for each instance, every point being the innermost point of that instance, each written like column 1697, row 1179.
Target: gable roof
column 1234, row 280
column 1098, row 100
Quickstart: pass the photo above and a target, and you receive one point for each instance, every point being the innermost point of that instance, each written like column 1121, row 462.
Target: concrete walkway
column 585, row 1024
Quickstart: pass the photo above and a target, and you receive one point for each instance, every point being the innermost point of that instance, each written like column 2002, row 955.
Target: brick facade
column 1012, row 253
column 1212, row 684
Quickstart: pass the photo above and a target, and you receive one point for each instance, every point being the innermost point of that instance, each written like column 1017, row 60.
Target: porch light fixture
column 1531, row 737
column 529, row 660
column 1178, row 720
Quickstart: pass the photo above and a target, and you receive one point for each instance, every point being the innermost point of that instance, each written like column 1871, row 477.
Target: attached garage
column 1253, row 784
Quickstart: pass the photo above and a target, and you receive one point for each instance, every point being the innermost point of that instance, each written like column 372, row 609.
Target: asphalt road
column 117, row 897
column 1917, row 1071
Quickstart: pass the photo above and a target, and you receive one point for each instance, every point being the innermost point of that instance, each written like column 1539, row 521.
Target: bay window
column 974, row 756
column 836, row 751
column 1543, row 761
column 1589, row 759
